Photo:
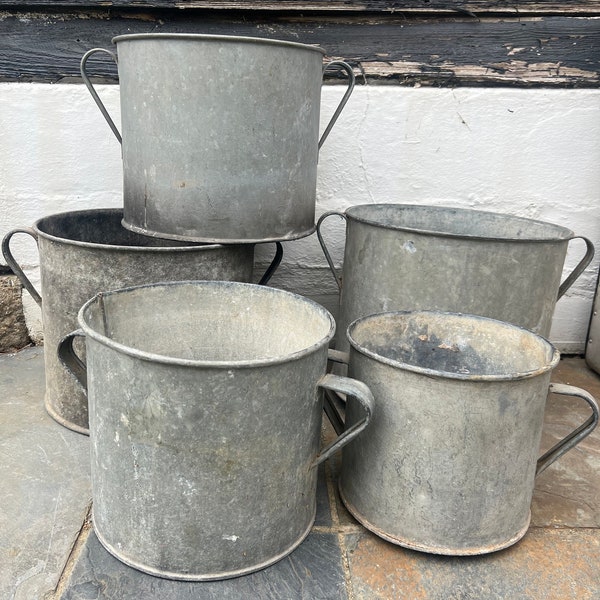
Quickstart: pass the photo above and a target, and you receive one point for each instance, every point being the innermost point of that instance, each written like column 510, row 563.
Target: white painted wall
column 533, row 153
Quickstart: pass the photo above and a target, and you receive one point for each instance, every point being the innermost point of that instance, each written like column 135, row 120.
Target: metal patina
column 85, row 252
column 449, row 461
column 220, row 135
column 205, row 423
column 412, row 257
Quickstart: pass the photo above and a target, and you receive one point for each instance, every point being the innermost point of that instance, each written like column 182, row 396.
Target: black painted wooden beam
column 559, row 51
column 478, row 7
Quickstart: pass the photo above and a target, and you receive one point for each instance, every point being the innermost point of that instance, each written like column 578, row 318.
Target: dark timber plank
column 521, row 7
column 553, row 51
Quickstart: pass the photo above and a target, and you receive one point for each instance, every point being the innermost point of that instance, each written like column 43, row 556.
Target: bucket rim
column 192, row 247
column 214, row 364
column 563, row 234
column 216, row 38
column 437, row 374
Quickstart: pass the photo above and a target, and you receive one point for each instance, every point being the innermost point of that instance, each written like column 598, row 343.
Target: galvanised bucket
column 85, row 252
column 411, row 257
column 220, row 135
column 448, row 464
column 205, row 420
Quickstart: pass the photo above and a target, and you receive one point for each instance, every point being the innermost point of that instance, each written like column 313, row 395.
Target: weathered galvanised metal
column 220, row 135
column 592, row 342
column 448, row 464
column 84, row 252
column 205, row 421
column 411, row 257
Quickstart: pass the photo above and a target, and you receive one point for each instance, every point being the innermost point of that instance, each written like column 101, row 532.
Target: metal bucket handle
column 571, row 440
column 71, row 361
column 274, row 264
column 344, row 385
column 337, row 278
column 351, row 387
column 91, row 89
column 578, row 270
column 344, row 66
column 12, row 263
column 336, row 64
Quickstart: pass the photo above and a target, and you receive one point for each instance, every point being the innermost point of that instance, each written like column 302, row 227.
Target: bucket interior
column 452, row 344
column 101, row 226
column 209, row 321
column 457, row 222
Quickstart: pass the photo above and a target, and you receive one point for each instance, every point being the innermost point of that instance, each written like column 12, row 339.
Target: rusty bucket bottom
column 411, row 545
column 201, row 239
column 63, row 421
column 203, row 576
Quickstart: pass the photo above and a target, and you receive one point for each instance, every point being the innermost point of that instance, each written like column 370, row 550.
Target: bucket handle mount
column 14, row 265
column 576, row 435
column 333, row 65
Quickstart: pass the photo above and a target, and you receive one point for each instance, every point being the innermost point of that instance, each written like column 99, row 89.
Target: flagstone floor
column 48, row 549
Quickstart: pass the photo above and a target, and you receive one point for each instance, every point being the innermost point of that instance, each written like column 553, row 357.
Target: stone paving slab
column 567, row 494
column 547, row 564
column 311, row 572
column 44, row 491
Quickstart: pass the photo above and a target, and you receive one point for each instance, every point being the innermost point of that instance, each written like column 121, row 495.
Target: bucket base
column 474, row 551
column 202, row 576
column 293, row 235
column 64, row 422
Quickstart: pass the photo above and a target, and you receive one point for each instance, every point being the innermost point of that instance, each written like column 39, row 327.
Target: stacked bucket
column 205, row 392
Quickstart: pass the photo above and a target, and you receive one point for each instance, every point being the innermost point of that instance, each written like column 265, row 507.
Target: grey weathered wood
column 518, row 51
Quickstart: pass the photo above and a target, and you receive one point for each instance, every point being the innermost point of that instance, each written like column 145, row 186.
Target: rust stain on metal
column 452, row 348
